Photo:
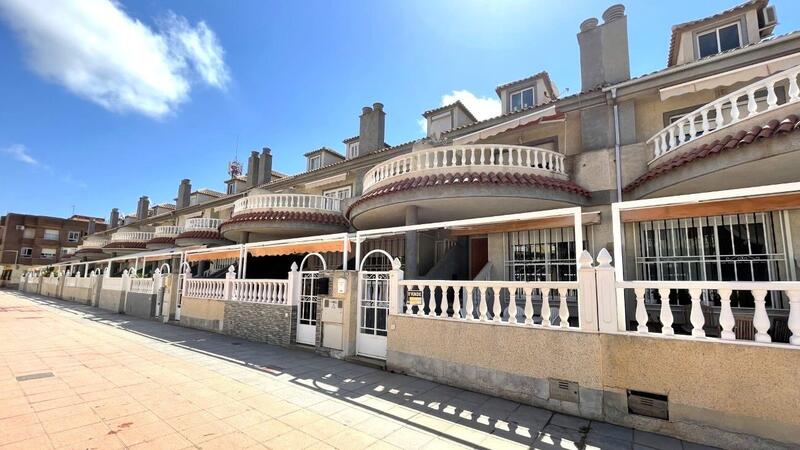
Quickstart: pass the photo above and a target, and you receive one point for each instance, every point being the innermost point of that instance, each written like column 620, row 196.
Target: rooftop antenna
column 235, row 167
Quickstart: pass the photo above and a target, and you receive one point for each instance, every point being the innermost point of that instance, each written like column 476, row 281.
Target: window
column 48, row 253
column 352, row 150
column 522, row 99
column 719, row 40
column 26, row 252
column 313, row 162
column 29, row 233
column 51, row 235
column 73, row 236
column 543, row 255
column 340, row 193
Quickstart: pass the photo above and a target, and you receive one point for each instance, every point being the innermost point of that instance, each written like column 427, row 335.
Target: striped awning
column 212, row 256
column 301, row 247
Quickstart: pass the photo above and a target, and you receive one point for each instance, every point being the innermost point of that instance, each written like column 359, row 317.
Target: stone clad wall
column 272, row 324
column 739, row 396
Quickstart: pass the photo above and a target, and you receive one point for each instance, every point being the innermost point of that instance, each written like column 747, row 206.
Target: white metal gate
column 373, row 310
column 307, row 309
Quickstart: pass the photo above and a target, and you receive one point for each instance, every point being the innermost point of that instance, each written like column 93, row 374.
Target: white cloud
column 20, row 153
column 97, row 51
column 481, row 107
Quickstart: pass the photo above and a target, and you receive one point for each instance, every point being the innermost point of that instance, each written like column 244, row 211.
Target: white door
column 373, row 313
column 307, row 312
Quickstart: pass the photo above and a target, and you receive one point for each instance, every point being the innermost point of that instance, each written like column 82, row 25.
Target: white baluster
column 563, row 311
column 704, row 113
column 528, row 307
column 752, row 107
column 772, row 99
column 512, row 305
column 734, row 110
column 760, row 317
column 443, row 301
column 681, row 134
column 545, row 307
column 726, row 320
column 641, row 310
column 696, row 316
column 673, row 140
column 482, row 303
column 719, row 119
column 432, row 301
column 794, row 90
column 794, row 316
column 456, row 302
column 497, row 310
column 666, row 313
column 469, row 303
column 664, row 144
column 692, row 128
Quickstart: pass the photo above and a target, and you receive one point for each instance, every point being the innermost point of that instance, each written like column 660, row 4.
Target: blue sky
column 104, row 103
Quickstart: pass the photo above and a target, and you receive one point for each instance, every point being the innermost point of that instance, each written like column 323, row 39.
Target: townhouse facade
column 639, row 232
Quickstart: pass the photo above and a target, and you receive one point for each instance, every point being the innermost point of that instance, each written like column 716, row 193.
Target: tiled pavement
column 75, row 377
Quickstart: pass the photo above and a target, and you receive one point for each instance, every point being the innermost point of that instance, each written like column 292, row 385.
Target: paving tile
column 263, row 432
column 408, row 438
column 294, row 439
column 657, row 441
column 571, row 422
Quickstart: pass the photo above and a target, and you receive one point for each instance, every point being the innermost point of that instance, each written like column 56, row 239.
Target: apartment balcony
column 449, row 183
column 91, row 249
column 201, row 231
column 275, row 216
column 728, row 143
column 124, row 242
column 164, row 237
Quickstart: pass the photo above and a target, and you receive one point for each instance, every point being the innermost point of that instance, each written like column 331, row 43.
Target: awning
column 727, row 78
column 587, row 218
column 544, row 115
column 301, row 247
column 212, row 256
column 745, row 205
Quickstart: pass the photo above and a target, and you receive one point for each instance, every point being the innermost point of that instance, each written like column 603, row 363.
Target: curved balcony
column 128, row 242
column 272, row 216
column 446, row 182
column 725, row 112
column 201, row 231
column 91, row 248
column 740, row 125
column 164, row 237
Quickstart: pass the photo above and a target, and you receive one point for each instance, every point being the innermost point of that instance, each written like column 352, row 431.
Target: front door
column 307, row 313
column 373, row 313
column 478, row 255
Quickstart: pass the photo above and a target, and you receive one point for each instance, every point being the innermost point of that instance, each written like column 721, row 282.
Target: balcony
column 272, row 216
column 201, row 231
column 446, row 182
column 123, row 242
column 164, row 237
column 731, row 124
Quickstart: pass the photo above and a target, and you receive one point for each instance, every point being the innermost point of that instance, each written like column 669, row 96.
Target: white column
column 588, row 295
column 293, row 297
column 395, row 289
column 229, row 277
column 794, row 316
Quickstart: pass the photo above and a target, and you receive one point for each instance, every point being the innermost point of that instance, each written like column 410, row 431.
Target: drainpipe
column 617, row 151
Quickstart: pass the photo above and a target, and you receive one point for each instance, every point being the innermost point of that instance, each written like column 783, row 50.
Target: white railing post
column 229, row 277
column 794, row 316
column 293, row 296
column 607, row 301
column 587, row 293
column 396, row 291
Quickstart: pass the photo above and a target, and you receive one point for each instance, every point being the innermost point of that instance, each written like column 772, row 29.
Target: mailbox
column 332, row 318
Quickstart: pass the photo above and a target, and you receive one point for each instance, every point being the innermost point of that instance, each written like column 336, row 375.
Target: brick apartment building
column 28, row 240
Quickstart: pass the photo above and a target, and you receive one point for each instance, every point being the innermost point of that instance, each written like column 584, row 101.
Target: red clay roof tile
column 287, row 216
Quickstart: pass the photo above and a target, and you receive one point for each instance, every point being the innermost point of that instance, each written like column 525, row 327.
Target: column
column 412, row 244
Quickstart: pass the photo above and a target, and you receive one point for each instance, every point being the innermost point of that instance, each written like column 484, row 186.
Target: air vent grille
column 648, row 404
column 564, row 390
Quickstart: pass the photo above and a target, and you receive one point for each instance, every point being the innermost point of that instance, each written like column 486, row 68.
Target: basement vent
column 648, row 404
column 564, row 390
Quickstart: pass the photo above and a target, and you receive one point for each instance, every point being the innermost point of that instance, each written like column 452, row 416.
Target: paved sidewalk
column 76, row 377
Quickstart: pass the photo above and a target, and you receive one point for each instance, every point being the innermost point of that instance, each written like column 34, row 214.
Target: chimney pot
column 377, row 106
column 589, row 23
column 366, row 110
column 613, row 13
column 265, row 166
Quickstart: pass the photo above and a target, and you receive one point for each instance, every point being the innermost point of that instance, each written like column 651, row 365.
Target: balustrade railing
column 260, row 291
column 142, row 285
column 725, row 111
column 731, row 323
column 93, row 243
column 168, row 231
column 468, row 157
column 202, row 223
column 542, row 304
column 132, row 236
column 267, row 202
column 205, row 288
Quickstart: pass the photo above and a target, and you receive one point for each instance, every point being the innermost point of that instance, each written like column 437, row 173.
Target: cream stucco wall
column 723, row 394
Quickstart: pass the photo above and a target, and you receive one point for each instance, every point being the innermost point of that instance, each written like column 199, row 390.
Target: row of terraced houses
column 624, row 253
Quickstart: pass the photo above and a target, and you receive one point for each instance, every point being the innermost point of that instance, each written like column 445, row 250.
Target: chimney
column 252, row 169
column 114, row 218
column 91, row 228
column 265, row 166
column 371, row 129
column 143, row 207
column 604, row 49
column 184, row 191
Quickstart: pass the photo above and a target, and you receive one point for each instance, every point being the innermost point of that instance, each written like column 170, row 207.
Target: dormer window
column 719, row 40
column 314, row 162
column 352, row 150
column 522, row 99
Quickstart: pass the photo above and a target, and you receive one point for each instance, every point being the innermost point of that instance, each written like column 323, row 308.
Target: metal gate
column 309, row 297
column 373, row 309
